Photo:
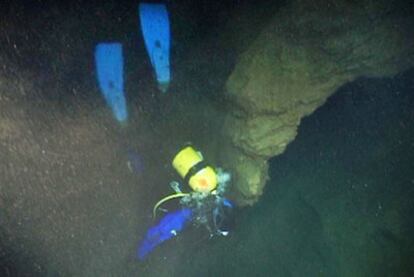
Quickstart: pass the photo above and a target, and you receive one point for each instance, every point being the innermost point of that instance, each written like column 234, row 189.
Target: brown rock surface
column 299, row 59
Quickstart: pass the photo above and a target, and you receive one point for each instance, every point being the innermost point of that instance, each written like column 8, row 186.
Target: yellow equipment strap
column 165, row 199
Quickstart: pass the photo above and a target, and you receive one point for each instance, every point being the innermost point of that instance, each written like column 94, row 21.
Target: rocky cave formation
column 302, row 56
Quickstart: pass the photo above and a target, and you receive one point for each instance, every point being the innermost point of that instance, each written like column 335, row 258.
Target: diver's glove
column 175, row 186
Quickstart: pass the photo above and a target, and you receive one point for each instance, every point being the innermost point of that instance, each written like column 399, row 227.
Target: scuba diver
column 204, row 206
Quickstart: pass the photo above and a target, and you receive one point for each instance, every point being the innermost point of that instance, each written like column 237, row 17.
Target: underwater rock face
column 299, row 59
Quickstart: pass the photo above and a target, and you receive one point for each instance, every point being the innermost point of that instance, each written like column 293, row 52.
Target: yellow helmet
column 191, row 166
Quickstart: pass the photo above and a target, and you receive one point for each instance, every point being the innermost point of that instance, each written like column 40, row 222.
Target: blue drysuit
column 169, row 226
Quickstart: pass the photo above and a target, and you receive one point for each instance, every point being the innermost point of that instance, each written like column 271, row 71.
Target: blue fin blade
column 155, row 27
column 110, row 73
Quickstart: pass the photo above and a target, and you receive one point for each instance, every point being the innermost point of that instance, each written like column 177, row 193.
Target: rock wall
column 299, row 59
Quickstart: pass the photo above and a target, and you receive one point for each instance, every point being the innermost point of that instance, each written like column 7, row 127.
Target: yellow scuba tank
column 192, row 168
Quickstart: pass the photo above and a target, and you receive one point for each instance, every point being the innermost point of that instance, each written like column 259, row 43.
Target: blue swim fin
column 109, row 64
column 155, row 27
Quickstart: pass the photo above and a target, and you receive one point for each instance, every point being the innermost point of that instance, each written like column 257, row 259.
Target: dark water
column 77, row 190
column 340, row 199
column 339, row 202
